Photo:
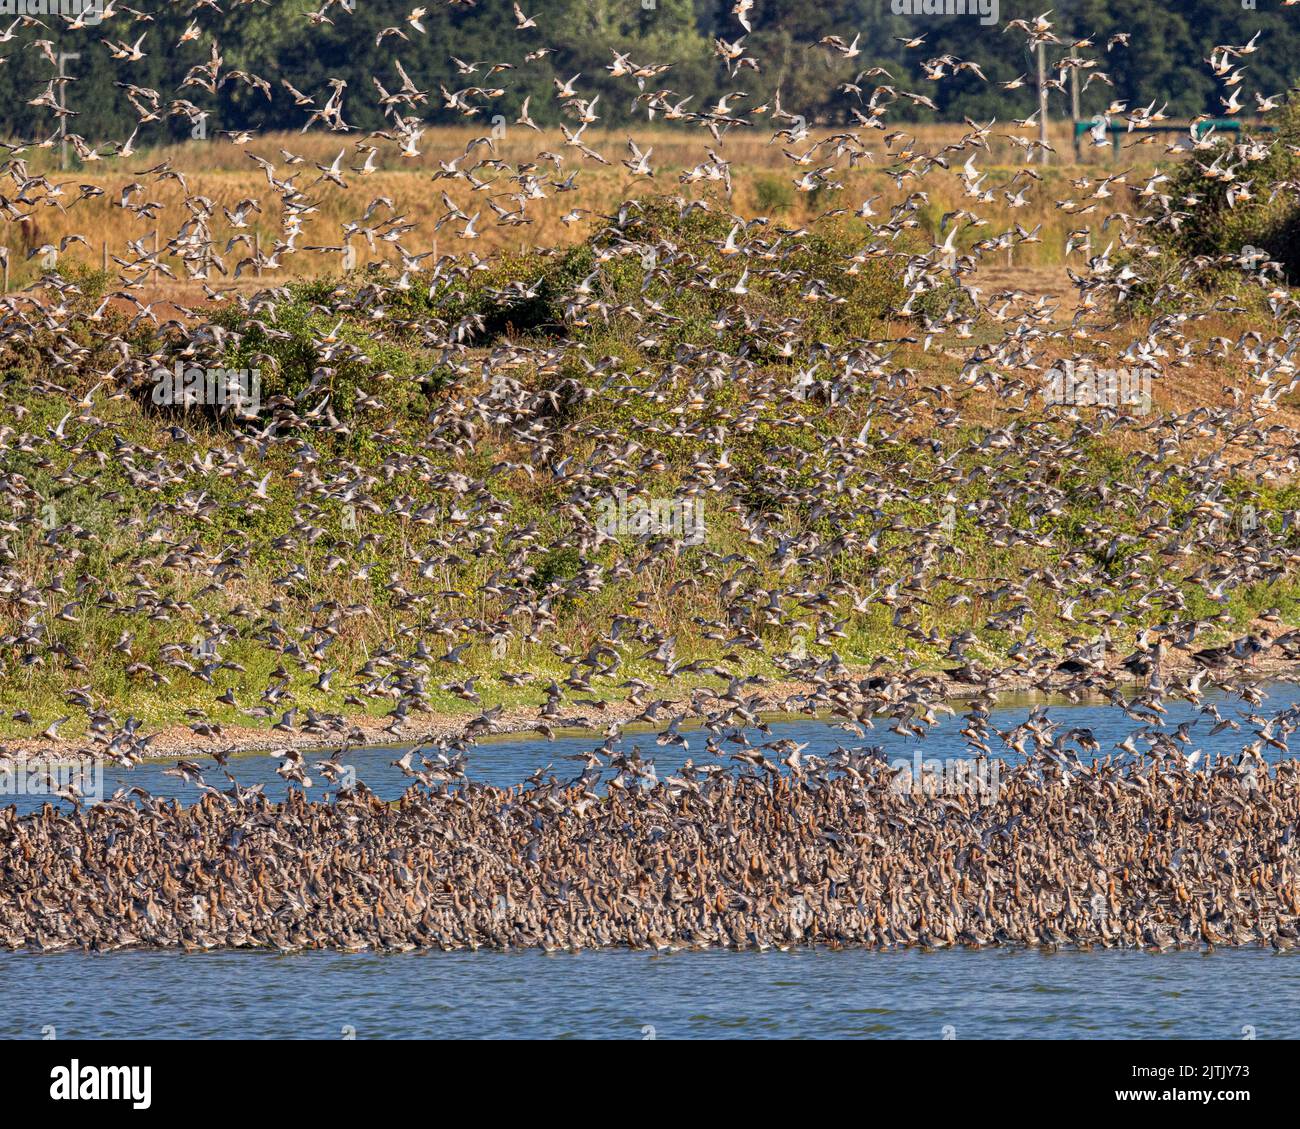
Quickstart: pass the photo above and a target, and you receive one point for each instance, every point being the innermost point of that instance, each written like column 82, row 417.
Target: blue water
column 634, row 995
column 509, row 760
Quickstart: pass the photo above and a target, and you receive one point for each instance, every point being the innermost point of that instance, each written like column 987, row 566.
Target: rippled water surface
column 508, row 760
column 635, row 995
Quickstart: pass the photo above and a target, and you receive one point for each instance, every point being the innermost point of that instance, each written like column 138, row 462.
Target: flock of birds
column 1108, row 855
column 825, row 528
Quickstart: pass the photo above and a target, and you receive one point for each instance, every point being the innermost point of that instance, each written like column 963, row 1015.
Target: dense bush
column 1200, row 240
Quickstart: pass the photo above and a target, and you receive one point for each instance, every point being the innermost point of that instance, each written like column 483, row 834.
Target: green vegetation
column 1163, row 62
column 1232, row 234
column 396, row 496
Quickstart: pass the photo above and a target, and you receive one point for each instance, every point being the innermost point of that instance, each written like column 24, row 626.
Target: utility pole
column 1074, row 71
column 1042, row 102
column 1074, row 111
column 65, row 57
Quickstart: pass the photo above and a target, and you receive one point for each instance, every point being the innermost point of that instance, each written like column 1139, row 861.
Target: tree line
column 458, row 45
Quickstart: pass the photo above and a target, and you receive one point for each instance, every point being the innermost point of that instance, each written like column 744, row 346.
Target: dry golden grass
column 763, row 183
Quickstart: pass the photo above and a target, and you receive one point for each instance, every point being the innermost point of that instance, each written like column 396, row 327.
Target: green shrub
column 1197, row 240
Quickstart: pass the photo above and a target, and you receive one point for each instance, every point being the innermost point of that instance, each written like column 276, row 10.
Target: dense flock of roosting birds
column 1105, row 855
column 1144, row 844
